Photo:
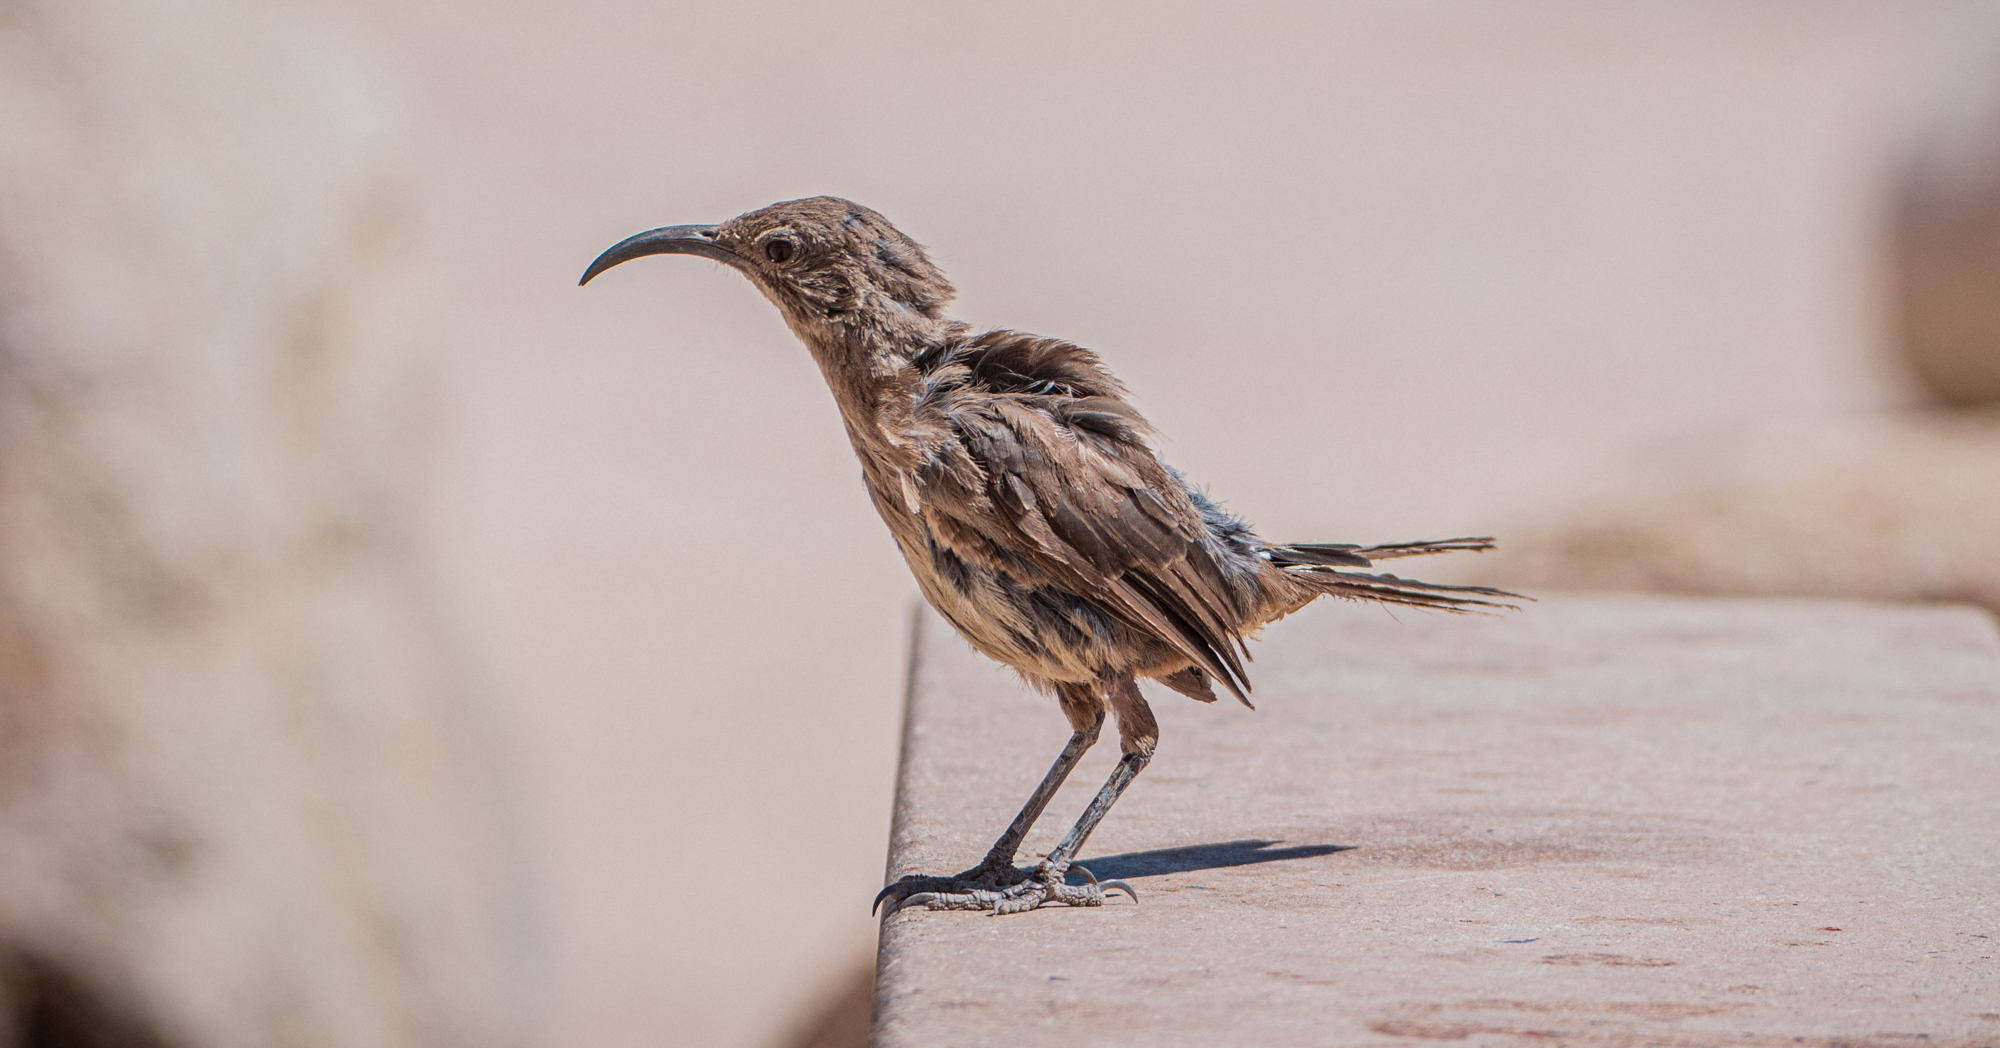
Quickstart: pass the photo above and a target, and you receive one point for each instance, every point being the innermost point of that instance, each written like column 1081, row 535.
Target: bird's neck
column 866, row 361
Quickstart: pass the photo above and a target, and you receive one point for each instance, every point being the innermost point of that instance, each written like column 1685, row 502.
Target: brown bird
column 1028, row 500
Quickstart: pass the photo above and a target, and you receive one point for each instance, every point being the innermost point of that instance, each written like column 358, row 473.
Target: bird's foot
column 1025, row 892
column 989, row 876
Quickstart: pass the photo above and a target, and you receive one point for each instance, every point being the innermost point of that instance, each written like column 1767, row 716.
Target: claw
column 919, row 899
column 1109, row 886
column 890, row 891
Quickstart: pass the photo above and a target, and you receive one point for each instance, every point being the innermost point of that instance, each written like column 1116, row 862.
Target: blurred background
column 400, row 645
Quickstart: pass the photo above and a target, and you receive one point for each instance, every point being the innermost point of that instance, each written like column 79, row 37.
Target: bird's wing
column 1066, row 491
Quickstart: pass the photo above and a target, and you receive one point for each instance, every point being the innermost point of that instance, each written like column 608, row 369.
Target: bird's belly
column 1042, row 631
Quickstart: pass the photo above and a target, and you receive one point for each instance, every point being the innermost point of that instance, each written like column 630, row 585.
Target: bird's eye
column 778, row 249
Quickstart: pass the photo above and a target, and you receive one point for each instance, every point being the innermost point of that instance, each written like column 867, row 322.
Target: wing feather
column 1072, row 486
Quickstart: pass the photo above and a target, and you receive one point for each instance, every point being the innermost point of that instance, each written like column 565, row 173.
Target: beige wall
column 1381, row 271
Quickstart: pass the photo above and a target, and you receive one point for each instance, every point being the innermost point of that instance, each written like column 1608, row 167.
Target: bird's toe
column 981, row 880
column 1021, row 898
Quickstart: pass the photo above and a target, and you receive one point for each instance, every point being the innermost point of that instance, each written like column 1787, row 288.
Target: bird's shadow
column 1200, row 857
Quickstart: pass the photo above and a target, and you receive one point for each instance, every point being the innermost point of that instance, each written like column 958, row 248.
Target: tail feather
column 1390, row 589
column 1362, row 556
column 1316, row 565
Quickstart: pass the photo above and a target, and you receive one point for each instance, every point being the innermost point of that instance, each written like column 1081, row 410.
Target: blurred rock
column 842, row 1018
column 1897, row 507
column 1946, row 243
column 240, row 802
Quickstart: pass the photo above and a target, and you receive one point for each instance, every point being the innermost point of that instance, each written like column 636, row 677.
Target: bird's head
column 823, row 261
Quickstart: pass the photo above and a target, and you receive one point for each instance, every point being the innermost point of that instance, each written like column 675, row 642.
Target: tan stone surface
column 1605, row 821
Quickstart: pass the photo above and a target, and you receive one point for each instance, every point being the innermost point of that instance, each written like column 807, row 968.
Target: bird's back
column 1048, row 531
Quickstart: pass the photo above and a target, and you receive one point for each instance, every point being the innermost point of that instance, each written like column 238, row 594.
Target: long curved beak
column 666, row 240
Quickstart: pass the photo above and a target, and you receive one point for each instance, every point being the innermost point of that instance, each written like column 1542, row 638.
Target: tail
column 1317, row 564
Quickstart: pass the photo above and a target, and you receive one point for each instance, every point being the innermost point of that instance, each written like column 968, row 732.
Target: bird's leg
column 1001, row 855
column 1138, row 733
column 1086, row 716
column 1129, row 767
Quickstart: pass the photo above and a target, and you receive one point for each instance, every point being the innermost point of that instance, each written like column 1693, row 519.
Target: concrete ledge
column 1605, row 821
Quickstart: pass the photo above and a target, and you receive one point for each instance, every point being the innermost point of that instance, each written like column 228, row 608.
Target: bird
column 1028, row 498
